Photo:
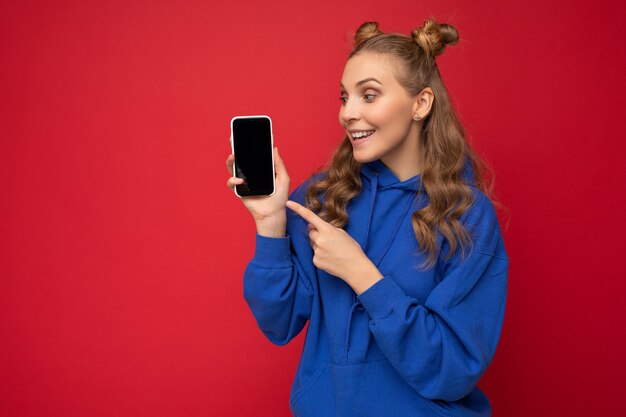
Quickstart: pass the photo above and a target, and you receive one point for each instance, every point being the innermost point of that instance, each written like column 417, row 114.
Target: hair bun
column 366, row 31
column 433, row 37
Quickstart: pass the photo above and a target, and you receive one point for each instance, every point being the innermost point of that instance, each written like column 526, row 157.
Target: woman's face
column 377, row 113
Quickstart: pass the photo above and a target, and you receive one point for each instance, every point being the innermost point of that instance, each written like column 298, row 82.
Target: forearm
column 442, row 345
column 275, row 290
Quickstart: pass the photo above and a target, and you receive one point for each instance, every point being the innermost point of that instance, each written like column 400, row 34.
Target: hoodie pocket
column 376, row 389
column 315, row 397
column 371, row 389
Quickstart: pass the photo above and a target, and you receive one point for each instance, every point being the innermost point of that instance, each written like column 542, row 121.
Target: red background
column 122, row 250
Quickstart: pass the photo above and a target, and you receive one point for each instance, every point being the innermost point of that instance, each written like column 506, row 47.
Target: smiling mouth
column 361, row 135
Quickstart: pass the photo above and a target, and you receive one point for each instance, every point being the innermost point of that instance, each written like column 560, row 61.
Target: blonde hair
column 442, row 144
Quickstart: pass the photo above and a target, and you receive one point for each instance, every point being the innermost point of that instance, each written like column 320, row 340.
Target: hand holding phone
column 268, row 211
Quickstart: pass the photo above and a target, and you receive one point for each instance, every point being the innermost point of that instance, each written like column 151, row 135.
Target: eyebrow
column 363, row 82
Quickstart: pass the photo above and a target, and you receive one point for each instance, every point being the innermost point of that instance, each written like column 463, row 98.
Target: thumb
column 279, row 164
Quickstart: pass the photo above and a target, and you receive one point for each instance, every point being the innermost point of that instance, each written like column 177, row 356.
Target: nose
column 349, row 112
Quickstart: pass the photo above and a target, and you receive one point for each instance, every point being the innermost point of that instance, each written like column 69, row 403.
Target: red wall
column 122, row 250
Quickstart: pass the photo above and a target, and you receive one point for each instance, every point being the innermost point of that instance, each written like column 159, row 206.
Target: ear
column 423, row 103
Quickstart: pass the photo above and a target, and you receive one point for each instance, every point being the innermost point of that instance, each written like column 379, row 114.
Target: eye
column 369, row 97
column 343, row 99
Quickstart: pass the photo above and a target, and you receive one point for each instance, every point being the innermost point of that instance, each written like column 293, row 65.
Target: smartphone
column 252, row 143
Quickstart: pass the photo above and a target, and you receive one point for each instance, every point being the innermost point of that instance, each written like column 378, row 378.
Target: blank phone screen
column 252, row 144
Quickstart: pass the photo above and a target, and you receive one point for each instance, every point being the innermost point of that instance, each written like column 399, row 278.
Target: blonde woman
column 392, row 253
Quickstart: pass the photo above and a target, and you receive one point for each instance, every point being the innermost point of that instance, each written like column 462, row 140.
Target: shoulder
column 297, row 227
column 299, row 192
column 481, row 220
column 481, row 211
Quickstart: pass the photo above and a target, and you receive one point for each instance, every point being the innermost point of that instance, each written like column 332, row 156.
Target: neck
column 404, row 161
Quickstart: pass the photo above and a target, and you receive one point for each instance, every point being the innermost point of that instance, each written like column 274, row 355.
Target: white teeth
column 358, row 135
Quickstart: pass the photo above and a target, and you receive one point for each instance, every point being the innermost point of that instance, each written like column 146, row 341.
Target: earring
column 417, row 117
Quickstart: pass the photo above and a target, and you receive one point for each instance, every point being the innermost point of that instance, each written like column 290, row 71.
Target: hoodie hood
column 387, row 179
column 381, row 178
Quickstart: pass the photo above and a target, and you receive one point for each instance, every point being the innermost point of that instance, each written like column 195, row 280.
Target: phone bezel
column 232, row 145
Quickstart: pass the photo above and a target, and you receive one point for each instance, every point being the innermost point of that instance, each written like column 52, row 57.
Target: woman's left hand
column 335, row 251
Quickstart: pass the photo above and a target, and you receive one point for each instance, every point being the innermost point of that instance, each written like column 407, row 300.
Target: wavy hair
column 441, row 141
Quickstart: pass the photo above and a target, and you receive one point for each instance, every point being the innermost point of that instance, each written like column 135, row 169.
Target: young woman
column 392, row 253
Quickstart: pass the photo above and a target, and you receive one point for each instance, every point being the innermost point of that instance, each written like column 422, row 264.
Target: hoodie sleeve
column 277, row 281
column 442, row 347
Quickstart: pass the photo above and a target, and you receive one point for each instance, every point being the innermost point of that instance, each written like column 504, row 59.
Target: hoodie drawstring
column 356, row 304
column 369, row 219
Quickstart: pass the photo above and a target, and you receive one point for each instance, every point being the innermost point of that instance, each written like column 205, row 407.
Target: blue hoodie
column 415, row 343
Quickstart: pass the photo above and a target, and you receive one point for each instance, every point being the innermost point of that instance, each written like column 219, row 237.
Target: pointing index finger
column 307, row 214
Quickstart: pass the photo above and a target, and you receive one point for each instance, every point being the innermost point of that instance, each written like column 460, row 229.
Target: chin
column 363, row 157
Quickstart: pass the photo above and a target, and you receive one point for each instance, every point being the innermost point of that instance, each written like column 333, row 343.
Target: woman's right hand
column 265, row 209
